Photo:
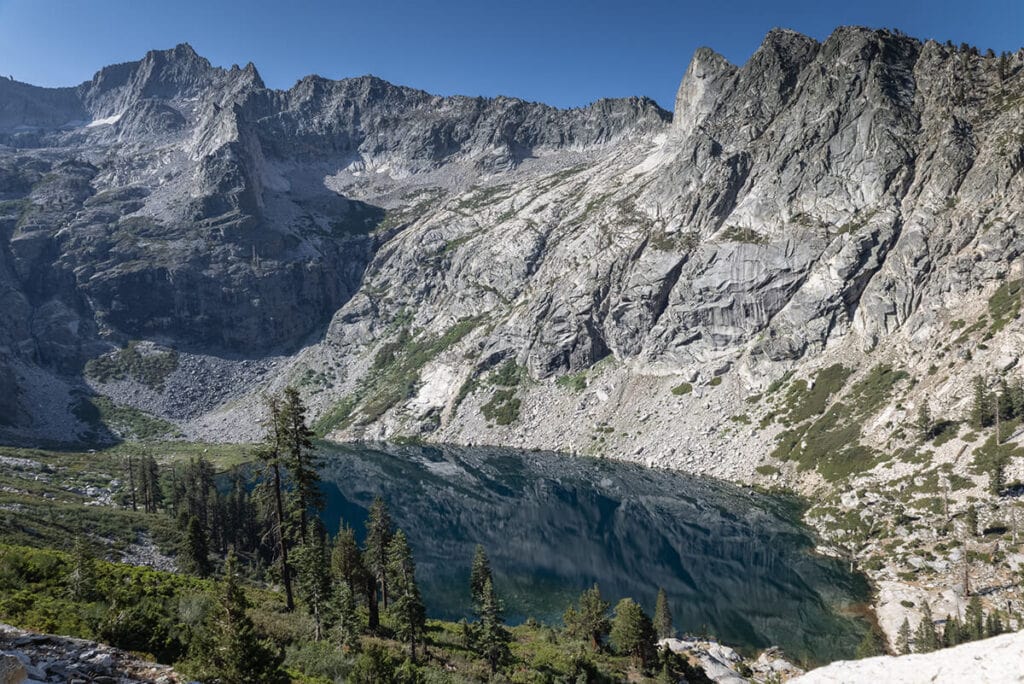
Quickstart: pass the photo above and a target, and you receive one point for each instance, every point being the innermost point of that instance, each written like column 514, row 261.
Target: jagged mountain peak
column 760, row 231
column 707, row 77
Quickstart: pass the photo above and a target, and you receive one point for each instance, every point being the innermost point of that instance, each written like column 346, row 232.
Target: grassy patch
column 803, row 403
column 149, row 368
column 126, row 422
column 682, row 389
column 831, row 443
column 987, row 456
column 340, row 415
column 482, row 197
column 679, row 241
column 508, row 374
column 1004, row 304
column 503, row 407
column 393, row 376
column 748, row 235
column 574, row 382
column 776, row 385
column 767, row 470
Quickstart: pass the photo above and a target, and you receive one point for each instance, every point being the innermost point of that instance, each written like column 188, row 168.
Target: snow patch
column 107, row 121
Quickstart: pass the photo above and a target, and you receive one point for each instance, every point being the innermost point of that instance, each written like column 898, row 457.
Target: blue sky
column 567, row 52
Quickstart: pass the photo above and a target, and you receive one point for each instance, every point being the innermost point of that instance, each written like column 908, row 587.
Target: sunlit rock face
column 989, row 661
column 834, row 195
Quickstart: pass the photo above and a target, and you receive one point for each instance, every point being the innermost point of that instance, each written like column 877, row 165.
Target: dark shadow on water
column 734, row 563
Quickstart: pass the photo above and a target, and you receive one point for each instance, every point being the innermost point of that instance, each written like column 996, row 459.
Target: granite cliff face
column 389, row 250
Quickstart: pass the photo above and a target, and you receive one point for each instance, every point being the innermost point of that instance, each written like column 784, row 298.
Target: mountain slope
column 389, row 249
column 771, row 285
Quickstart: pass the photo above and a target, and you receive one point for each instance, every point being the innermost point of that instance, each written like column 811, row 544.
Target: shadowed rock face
column 731, row 561
column 820, row 194
column 173, row 229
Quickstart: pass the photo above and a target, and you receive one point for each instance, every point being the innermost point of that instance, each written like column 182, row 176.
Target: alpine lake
column 735, row 563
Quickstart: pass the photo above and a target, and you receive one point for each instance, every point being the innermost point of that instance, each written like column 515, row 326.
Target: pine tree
column 491, row 639
column 198, row 486
column 1016, row 396
column 903, row 638
column 82, row 579
column 589, row 621
column 347, row 625
column 632, row 632
column 971, row 520
column 951, row 632
column 926, row 639
column 129, row 465
column 272, row 487
column 479, row 575
column 873, row 643
column 148, row 483
column 1004, row 400
column 241, row 518
column 663, row 616
column 237, row 654
column 301, row 460
column 993, row 624
column 407, row 611
column 379, row 533
column 997, row 474
column 925, row 425
column 313, row 577
column 974, row 620
column 981, row 407
column 195, row 553
column 347, row 561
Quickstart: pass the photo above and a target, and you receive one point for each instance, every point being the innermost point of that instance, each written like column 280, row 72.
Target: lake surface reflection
column 735, row 563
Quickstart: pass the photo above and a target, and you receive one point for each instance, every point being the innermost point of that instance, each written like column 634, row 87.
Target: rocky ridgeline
column 30, row 658
column 395, row 247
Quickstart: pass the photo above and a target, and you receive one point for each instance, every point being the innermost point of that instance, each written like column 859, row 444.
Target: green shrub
column 803, row 403
column 1004, row 304
column 503, row 407
column 393, row 376
column 150, row 369
column 507, row 375
column 682, row 389
column 738, row 234
column 125, row 421
column 575, row 382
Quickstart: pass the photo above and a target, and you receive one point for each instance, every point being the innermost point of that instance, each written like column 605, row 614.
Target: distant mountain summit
column 389, row 250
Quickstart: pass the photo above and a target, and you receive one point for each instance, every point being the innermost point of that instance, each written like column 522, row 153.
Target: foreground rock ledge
column 998, row 660
column 31, row 658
